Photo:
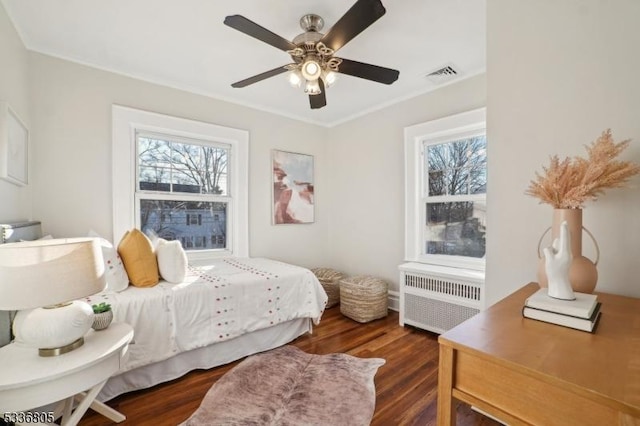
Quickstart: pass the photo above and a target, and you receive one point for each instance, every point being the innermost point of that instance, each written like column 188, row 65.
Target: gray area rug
column 289, row 387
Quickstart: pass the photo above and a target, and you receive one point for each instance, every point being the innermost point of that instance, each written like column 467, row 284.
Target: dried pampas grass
column 570, row 183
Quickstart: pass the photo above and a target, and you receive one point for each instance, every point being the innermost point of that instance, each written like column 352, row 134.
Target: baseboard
column 394, row 300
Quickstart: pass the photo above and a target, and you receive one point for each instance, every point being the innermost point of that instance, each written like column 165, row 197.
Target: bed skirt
column 204, row 358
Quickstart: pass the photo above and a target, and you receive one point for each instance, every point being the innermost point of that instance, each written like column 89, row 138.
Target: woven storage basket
column 330, row 280
column 363, row 298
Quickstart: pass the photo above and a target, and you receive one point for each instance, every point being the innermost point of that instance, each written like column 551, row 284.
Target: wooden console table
column 526, row 372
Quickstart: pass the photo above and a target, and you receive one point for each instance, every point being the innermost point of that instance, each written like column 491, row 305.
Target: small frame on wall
column 293, row 190
column 14, row 147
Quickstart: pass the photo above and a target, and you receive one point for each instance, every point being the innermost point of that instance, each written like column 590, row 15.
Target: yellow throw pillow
column 136, row 252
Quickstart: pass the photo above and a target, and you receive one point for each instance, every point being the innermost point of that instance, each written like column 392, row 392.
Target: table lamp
column 41, row 279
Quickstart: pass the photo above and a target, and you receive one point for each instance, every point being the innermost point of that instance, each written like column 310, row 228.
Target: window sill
column 444, row 271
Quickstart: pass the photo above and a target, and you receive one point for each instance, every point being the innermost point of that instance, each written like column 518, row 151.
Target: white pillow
column 117, row 278
column 172, row 260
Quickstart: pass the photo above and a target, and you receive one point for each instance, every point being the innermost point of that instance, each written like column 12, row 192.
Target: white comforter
column 228, row 298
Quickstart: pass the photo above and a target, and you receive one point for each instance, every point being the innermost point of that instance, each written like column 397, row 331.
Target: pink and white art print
column 293, row 196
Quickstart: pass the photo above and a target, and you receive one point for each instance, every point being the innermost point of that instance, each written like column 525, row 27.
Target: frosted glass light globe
column 311, row 70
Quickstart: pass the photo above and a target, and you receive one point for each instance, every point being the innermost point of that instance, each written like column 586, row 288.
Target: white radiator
column 438, row 298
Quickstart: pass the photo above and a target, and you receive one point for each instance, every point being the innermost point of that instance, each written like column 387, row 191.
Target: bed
column 222, row 311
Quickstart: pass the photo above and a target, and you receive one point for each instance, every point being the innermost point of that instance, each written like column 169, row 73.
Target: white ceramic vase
column 583, row 274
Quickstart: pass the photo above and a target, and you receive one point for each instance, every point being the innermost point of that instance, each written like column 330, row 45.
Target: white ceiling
column 184, row 44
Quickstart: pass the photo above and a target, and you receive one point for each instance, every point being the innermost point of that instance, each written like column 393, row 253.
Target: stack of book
column 582, row 313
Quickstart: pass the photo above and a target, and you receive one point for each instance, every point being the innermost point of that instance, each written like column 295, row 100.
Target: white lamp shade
column 329, row 78
column 295, row 78
column 48, row 272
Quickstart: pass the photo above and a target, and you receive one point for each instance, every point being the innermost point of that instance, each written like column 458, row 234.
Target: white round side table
column 28, row 381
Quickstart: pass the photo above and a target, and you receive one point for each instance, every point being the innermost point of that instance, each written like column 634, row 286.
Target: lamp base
column 46, row 352
column 54, row 330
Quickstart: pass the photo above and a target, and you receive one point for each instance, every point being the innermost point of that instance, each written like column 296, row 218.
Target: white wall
column 15, row 201
column 559, row 73
column 366, row 169
column 72, row 154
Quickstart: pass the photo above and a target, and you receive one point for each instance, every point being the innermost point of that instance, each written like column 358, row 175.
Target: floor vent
column 437, row 299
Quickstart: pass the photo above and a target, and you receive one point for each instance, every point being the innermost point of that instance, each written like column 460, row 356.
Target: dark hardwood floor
column 406, row 386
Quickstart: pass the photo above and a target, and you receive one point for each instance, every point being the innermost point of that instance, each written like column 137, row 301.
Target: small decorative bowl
column 102, row 320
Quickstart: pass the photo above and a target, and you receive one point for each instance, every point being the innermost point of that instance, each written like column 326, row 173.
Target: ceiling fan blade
column 362, row 14
column 254, row 30
column 320, row 100
column 368, row 71
column 259, row 77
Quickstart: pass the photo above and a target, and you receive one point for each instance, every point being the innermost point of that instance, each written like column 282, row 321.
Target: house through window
column 190, row 181
column 182, row 186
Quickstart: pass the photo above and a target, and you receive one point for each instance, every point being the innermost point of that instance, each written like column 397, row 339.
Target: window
column 446, row 177
column 179, row 183
column 454, row 196
column 181, row 179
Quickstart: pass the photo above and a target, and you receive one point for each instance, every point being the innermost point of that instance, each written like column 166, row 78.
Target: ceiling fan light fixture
column 311, row 69
column 312, row 87
column 311, row 52
column 329, row 77
column 295, row 78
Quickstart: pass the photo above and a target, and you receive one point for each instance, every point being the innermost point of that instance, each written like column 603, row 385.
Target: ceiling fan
column 312, row 52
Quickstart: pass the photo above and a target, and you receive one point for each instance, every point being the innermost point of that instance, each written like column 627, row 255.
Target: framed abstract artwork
column 293, row 190
column 14, row 147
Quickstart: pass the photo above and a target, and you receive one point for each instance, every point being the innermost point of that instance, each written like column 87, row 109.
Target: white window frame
column 128, row 122
column 442, row 130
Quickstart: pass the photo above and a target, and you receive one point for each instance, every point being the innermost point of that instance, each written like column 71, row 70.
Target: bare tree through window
column 455, row 172
column 169, row 167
